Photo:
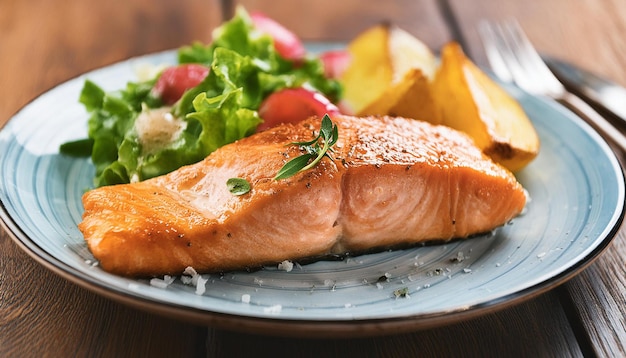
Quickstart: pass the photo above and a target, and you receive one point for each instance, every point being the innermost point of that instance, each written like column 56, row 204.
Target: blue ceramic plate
column 577, row 195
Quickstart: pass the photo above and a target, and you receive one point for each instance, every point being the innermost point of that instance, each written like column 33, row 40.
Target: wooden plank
column 525, row 330
column 44, row 43
column 42, row 315
column 343, row 20
column 599, row 301
column 582, row 33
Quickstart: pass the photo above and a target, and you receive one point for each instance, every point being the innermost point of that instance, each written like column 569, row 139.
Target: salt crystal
column 273, row 309
column 193, row 280
column 200, row 285
column 285, row 265
column 162, row 283
column 157, row 282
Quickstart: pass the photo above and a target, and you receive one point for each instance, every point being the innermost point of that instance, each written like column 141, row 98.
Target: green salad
column 243, row 69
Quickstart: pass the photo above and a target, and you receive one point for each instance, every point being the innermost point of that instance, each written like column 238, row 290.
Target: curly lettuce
column 244, row 69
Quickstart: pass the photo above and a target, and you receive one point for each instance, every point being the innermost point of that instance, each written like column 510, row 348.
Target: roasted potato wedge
column 410, row 97
column 381, row 57
column 473, row 103
column 393, row 73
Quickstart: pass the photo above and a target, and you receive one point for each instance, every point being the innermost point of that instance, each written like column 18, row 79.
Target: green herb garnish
column 238, row 186
column 401, row 292
column 315, row 149
column 77, row 148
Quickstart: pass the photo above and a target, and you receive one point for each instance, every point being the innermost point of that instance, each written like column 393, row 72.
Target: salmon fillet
column 392, row 181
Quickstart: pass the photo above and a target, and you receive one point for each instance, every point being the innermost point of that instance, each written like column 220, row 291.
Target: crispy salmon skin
column 392, row 181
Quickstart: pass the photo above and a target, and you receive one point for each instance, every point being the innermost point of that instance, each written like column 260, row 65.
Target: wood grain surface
column 44, row 43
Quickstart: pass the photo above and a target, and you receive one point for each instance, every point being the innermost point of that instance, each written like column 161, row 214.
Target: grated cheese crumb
column 201, row 285
column 191, row 277
column 190, row 271
column 157, row 282
column 286, row 266
column 273, row 309
column 162, row 283
column 460, row 256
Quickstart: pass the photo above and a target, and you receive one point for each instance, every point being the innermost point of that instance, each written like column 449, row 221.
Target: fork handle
column 591, row 116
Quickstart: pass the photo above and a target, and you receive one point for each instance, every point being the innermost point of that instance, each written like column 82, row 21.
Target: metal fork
column 514, row 59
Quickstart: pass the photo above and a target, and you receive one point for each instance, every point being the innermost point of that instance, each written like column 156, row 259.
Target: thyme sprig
column 316, row 149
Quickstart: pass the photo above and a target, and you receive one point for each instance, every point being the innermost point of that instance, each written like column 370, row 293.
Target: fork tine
column 507, row 46
column 494, row 56
column 529, row 58
column 504, row 57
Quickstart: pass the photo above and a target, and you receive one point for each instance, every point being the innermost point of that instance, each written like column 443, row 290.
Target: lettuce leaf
column 244, row 69
column 275, row 73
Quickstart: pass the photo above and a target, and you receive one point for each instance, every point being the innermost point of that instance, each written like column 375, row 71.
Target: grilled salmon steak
column 390, row 182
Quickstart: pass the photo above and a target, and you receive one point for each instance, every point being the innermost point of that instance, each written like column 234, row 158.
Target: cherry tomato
column 175, row 80
column 292, row 105
column 286, row 43
column 335, row 62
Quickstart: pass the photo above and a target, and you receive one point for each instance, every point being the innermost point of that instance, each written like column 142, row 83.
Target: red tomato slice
column 292, row 105
column 175, row 80
column 286, row 43
column 335, row 62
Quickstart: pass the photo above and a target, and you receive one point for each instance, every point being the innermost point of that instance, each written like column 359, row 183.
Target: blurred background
column 81, row 45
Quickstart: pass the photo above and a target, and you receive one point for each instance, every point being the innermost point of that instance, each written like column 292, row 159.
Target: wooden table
column 44, row 43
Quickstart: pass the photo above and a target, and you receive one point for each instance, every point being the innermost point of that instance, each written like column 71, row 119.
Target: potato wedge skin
column 472, row 102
